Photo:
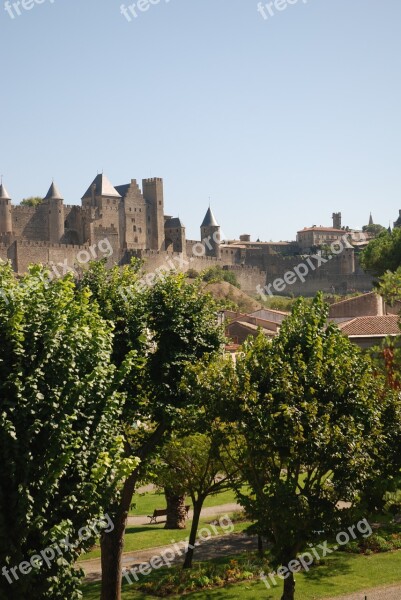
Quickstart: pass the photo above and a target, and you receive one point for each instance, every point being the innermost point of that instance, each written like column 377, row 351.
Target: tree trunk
column 192, row 536
column 260, row 545
column 112, row 544
column 289, row 588
column 176, row 514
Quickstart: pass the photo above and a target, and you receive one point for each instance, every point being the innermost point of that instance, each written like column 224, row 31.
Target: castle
column 134, row 224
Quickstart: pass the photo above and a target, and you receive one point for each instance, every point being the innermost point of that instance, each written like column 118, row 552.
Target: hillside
column 226, row 291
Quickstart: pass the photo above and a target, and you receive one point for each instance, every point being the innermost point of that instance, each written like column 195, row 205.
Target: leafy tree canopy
column 217, row 274
column 383, row 253
column 59, row 438
column 304, row 417
column 31, row 201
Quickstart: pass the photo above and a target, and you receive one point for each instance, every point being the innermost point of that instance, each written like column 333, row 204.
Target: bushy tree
column 59, row 441
column 383, row 253
column 31, row 201
column 217, row 274
column 374, row 229
column 304, row 413
column 193, row 465
column 169, row 324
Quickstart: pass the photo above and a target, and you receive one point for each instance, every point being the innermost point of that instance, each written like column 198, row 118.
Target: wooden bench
column 162, row 512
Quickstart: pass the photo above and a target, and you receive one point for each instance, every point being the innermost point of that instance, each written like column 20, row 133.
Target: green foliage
column 390, row 286
column 205, row 576
column 303, row 420
column 167, row 326
column 385, row 540
column 374, row 229
column 308, row 422
column 217, row 274
column 192, row 274
column 191, row 465
column 383, row 253
column 59, row 442
column 31, row 201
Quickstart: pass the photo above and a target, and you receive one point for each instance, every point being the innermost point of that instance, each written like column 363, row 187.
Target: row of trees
column 96, row 391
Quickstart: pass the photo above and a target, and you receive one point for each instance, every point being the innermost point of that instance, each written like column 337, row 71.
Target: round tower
column 6, row 219
column 210, row 235
column 56, row 214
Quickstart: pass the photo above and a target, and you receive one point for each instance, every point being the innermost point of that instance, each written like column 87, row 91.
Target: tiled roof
column 371, row 326
column 328, row 229
column 253, row 327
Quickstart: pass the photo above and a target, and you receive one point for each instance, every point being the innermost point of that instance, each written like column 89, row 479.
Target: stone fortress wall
column 134, row 224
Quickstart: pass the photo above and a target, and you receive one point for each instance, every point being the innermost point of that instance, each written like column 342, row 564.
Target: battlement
column 153, row 180
column 26, row 209
column 248, row 268
column 33, row 244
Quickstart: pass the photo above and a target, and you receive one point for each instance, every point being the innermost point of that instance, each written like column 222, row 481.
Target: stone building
column 133, row 222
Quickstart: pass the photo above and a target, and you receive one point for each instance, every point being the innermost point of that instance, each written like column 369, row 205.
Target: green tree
column 383, row 253
column 192, row 465
column 31, row 201
column 390, row 286
column 217, row 274
column 374, row 229
column 304, row 417
column 59, row 443
column 169, row 324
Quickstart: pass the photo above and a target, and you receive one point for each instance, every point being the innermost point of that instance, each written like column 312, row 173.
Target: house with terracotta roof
column 239, row 326
column 366, row 320
column 366, row 332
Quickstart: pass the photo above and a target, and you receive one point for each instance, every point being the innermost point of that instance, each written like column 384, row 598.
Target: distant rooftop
column 210, row 219
column 3, row 193
column 173, row 223
column 103, row 187
column 371, row 326
column 53, row 193
column 327, row 229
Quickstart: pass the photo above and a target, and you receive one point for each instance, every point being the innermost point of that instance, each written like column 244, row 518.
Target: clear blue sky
column 281, row 121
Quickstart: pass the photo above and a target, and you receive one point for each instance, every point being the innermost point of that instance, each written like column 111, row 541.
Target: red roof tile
column 369, row 326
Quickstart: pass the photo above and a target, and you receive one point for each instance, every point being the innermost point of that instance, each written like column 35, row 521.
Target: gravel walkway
column 223, row 544
column 232, row 543
column 392, row 592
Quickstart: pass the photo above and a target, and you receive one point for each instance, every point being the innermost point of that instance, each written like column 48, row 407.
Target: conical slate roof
column 209, row 220
column 103, row 187
column 3, row 193
column 53, row 193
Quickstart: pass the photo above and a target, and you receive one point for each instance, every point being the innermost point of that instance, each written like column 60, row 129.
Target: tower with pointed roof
column 371, row 219
column 102, row 204
column 210, row 235
column 6, row 221
column 56, row 214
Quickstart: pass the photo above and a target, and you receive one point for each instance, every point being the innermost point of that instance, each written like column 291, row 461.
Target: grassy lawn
column 145, row 504
column 341, row 574
column 152, row 536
